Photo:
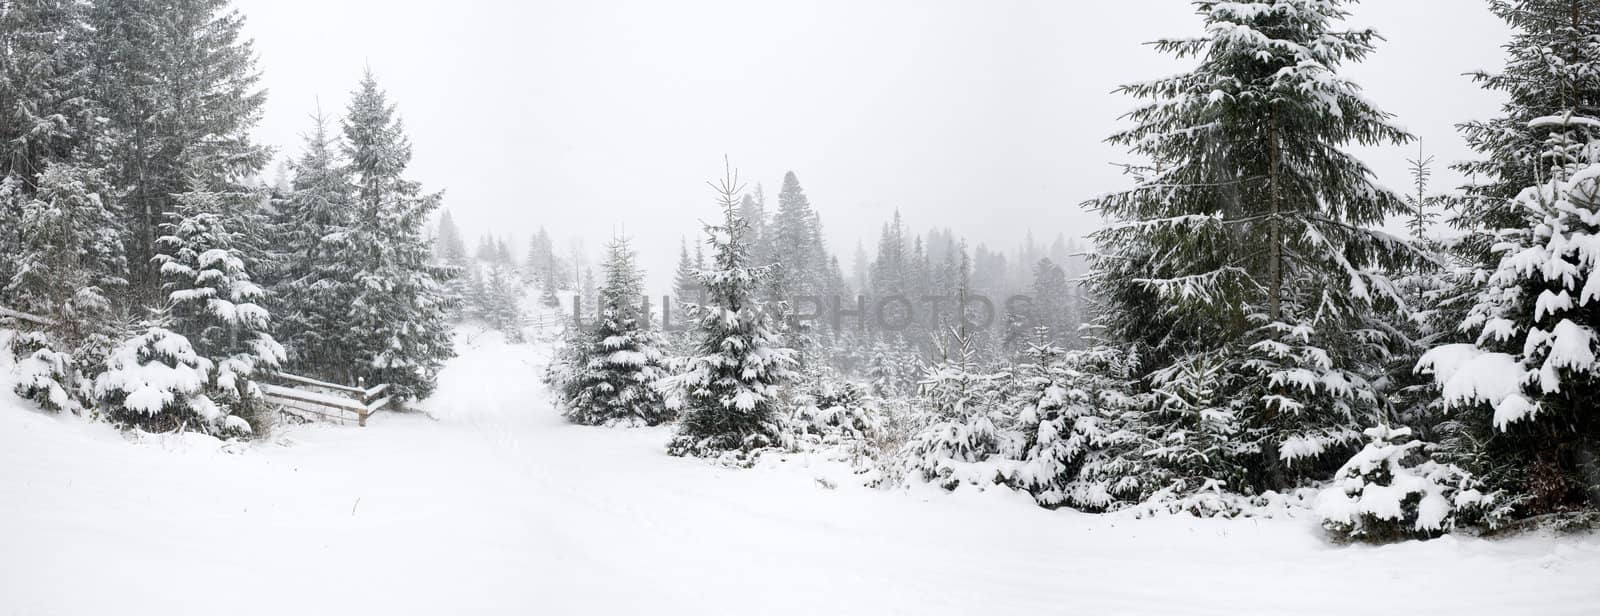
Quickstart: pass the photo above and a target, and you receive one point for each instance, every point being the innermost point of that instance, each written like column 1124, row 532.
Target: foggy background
column 607, row 116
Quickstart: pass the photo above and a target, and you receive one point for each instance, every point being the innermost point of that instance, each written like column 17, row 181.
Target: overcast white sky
column 600, row 115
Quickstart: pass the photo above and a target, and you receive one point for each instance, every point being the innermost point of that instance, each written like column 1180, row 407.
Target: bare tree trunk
column 1275, row 267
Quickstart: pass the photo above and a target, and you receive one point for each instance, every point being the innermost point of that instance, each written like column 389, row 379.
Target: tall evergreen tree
column 46, row 112
column 729, row 394
column 448, row 245
column 1051, row 301
column 178, row 84
column 1247, row 239
column 499, row 303
column 313, row 290
column 67, row 267
column 399, row 319
column 1520, row 386
column 860, row 266
column 1550, row 71
column 70, row 259
column 794, row 242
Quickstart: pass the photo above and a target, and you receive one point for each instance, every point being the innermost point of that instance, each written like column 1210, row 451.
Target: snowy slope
column 498, row 506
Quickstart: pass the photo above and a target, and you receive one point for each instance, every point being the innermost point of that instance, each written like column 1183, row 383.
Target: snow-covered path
column 500, row 506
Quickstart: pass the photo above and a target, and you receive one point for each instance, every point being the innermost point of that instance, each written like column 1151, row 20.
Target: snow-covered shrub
column 833, row 410
column 564, row 365
column 1270, row 414
column 1195, row 438
column 891, row 370
column 970, row 438
column 835, row 419
column 1212, row 500
column 48, row 377
column 1391, row 491
column 156, row 382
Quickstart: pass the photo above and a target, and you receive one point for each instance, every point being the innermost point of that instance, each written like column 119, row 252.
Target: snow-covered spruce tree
column 60, row 257
column 178, row 87
column 451, row 255
column 448, row 246
column 969, row 438
column 69, row 260
column 1051, row 298
column 157, row 382
column 728, row 398
column 547, row 294
column 1522, row 395
column 794, row 243
column 1390, row 491
column 571, row 356
column 685, row 284
column 1427, row 286
column 213, row 303
column 398, row 329
column 312, row 291
column 831, row 410
column 616, row 366
column 1195, row 434
column 46, row 107
column 1246, row 240
column 1551, row 70
column 499, row 306
column 1071, row 411
column 892, row 370
column 1520, row 381
column 67, row 266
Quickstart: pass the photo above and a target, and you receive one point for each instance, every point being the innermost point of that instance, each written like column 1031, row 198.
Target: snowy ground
column 500, row 506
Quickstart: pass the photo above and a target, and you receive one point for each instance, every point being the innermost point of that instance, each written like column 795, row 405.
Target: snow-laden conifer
column 1390, row 490
column 1521, row 394
column 969, row 437
column 730, row 393
column 67, row 268
column 1248, row 243
column 156, row 381
column 398, row 330
column 1518, row 379
column 614, row 366
column 313, row 290
column 1072, row 412
column 177, row 87
column 212, row 302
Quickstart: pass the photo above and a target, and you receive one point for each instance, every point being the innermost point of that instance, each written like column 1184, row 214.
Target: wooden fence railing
column 324, row 401
column 543, row 322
